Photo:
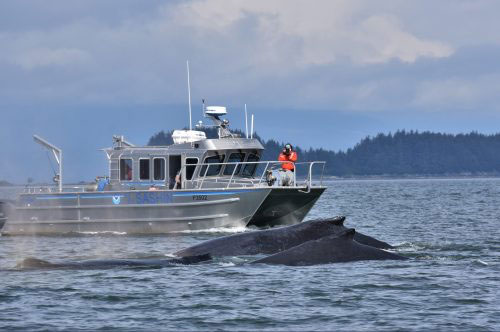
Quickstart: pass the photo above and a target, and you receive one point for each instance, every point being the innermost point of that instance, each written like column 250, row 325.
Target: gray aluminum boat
column 194, row 184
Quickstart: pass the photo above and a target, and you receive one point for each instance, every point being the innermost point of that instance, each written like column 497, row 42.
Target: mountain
column 399, row 154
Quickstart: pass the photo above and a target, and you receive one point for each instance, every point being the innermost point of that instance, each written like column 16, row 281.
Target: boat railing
column 266, row 173
column 69, row 188
column 52, row 189
column 263, row 175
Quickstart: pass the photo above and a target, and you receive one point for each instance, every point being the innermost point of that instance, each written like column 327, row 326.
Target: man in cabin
column 178, row 180
column 288, row 158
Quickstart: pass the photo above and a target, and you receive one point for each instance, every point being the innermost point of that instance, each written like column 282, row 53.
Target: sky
column 322, row 73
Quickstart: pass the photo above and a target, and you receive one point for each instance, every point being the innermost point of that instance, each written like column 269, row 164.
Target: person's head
column 287, row 148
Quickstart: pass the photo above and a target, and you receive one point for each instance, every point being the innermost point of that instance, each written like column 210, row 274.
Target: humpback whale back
column 188, row 260
column 334, row 248
column 31, row 263
column 267, row 241
column 271, row 241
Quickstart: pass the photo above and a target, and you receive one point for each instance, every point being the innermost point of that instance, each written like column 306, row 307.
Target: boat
column 194, row 184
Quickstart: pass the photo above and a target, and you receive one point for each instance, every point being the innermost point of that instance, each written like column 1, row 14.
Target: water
column 450, row 229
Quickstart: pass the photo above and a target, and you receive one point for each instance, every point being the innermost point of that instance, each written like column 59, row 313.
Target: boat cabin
column 189, row 159
column 193, row 161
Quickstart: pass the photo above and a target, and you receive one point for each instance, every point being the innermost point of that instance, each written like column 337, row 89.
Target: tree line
column 395, row 154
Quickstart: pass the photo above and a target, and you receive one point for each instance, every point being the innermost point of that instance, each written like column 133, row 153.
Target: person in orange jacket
column 288, row 158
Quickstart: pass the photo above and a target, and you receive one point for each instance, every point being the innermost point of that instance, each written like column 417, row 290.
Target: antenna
column 121, row 142
column 246, row 120
column 189, row 96
column 251, row 130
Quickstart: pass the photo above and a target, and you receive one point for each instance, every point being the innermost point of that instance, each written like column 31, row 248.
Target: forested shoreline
column 403, row 153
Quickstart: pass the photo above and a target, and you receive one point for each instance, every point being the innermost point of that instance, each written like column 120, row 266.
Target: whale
column 271, row 241
column 335, row 248
column 32, row 263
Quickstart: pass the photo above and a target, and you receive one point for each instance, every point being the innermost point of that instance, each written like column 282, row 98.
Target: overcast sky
column 315, row 73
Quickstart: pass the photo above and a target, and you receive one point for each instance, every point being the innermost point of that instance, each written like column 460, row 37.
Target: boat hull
column 285, row 206
column 133, row 212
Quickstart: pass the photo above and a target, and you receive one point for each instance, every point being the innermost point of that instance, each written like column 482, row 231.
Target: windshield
column 249, row 169
column 212, row 169
column 234, row 158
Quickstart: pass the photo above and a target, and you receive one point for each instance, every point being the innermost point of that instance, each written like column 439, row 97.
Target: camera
column 287, row 149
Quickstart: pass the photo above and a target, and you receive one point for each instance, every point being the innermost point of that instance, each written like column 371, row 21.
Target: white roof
column 215, row 110
column 188, row 136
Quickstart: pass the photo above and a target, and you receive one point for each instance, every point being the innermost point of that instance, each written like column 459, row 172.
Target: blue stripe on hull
column 57, row 197
column 134, row 197
column 207, row 193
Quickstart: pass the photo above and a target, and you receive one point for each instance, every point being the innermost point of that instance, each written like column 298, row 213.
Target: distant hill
column 399, row 154
column 5, row 183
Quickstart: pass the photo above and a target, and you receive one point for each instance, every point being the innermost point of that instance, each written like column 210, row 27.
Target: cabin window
column 212, row 169
column 144, row 169
column 159, row 169
column 190, row 167
column 234, row 158
column 126, row 169
column 249, row 169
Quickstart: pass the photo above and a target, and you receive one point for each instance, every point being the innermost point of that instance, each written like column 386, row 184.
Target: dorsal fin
column 32, row 262
column 348, row 233
column 338, row 221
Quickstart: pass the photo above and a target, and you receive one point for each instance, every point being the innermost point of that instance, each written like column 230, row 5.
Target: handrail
column 204, row 175
column 198, row 180
column 232, row 174
column 201, row 179
column 264, row 172
column 52, row 189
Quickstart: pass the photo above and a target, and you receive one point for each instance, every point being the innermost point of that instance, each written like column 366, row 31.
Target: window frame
column 186, row 165
column 164, row 169
column 120, row 169
column 149, row 170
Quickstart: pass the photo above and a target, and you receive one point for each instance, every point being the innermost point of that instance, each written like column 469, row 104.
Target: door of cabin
column 174, row 166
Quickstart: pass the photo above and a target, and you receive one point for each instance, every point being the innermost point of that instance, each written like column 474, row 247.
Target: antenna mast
column 189, row 96
column 246, row 121
column 251, row 130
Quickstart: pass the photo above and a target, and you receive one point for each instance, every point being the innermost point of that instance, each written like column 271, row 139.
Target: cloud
column 323, row 30
column 45, row 57
column 347, row 54
column 386, row 40
column 458, row 93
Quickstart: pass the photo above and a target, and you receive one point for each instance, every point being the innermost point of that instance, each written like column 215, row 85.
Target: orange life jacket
column 288, row 160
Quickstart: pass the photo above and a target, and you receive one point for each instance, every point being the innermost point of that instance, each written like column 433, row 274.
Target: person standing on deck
column 288, row 158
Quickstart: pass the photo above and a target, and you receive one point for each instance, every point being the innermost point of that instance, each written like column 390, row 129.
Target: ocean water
column 450, row 228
